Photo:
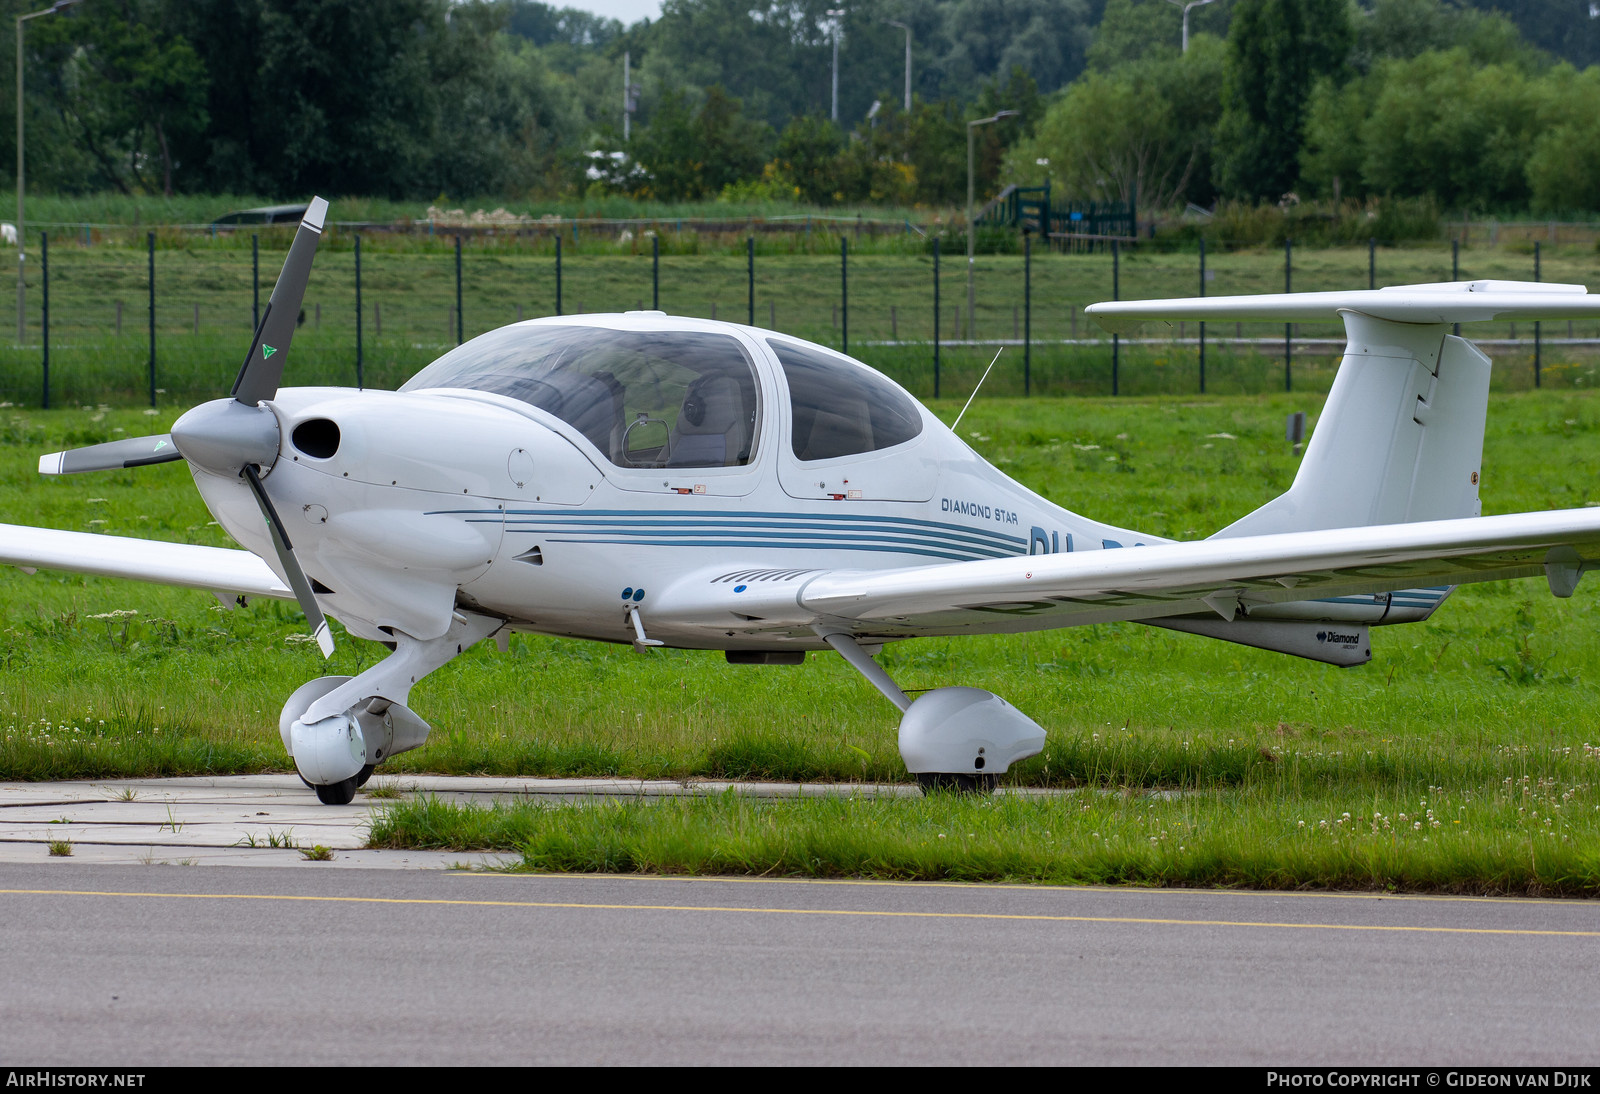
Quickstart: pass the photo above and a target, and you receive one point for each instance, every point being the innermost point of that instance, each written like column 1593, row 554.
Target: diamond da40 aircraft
column 647, row 479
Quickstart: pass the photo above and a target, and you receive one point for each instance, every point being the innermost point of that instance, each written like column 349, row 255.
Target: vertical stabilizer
column 1400, row 438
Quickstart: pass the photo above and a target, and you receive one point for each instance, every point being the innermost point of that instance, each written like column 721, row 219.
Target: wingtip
column 1119, row 324
column 51, row 463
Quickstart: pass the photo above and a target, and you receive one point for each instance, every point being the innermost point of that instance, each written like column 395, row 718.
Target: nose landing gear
column 339, row 728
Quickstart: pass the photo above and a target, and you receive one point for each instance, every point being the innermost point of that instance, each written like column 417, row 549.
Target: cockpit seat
column 841, row 429
column 712, row 428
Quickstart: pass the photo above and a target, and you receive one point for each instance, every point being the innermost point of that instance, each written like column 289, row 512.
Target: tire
column 342, row 792
column 363, row 775
column 958, row 782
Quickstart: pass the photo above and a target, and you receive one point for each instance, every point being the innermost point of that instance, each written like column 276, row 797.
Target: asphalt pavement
column 161, row 941
column 149, row 965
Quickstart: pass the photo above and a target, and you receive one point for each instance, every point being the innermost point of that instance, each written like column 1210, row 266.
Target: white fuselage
column 447, row 498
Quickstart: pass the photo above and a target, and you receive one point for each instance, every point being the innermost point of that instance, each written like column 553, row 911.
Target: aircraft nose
column 224, row 436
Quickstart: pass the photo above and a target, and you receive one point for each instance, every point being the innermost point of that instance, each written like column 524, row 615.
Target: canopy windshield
column 841, row 407
column 643, row 398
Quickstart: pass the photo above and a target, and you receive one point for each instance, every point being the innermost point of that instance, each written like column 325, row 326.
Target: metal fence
column 172, row 318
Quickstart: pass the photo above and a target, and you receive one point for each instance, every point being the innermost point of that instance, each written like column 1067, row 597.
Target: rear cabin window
column 643, row 398
column 842, row 408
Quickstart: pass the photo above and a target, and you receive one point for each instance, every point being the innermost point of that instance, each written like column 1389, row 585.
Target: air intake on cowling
column 318, row 438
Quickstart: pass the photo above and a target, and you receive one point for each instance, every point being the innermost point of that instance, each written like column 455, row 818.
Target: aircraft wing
column 1216, row 575
column 215, row 568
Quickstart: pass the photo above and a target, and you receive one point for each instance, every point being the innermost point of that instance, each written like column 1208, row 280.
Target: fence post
column 750, row 261
column 935, row 316
column 1372, row 262
column 1538, row 346
column 1288, row 328
column 151, row 243
column 460, row 327
column 1116, row 294
column 1202, row 322
column 1455, row 271
column 558, row 273
column 255, row 282
column 1027, row 314
column 655, row 273
column 44, row 323
column 844, row 292
column 359, row 384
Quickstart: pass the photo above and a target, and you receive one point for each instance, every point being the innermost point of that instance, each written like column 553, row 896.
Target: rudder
column 1400, row 438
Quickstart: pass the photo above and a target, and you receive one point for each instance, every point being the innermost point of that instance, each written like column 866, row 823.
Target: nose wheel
column 943, row 782
column 342, row 792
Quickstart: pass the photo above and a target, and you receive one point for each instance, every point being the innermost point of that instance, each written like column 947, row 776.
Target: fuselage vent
column 317, row 438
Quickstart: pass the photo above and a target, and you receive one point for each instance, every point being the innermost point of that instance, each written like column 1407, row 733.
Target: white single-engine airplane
column 658, row 480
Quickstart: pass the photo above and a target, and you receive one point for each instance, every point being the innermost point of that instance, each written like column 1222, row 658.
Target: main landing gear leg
column 950, row 738
column 338, row 728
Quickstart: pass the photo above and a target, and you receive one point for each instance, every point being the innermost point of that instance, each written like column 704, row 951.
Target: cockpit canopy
column 643, row 398
column 841, row 408
column 679, row 398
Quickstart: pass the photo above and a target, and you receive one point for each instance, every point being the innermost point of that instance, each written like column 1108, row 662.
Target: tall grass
column 1519, row 836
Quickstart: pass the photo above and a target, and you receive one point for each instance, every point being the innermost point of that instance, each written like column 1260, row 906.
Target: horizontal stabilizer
column 1448, row 302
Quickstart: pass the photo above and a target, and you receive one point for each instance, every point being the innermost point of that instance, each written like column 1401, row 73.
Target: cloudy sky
column 629, row 11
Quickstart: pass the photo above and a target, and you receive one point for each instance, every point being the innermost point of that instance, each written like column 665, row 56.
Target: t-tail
column 1400, row 438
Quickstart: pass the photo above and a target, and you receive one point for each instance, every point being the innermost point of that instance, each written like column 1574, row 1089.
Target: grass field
column 1485, row 713
column 1524, row 836
column 203, row 311
column 114, row 210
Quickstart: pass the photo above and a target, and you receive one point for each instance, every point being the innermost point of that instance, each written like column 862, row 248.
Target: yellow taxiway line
column 838, row 912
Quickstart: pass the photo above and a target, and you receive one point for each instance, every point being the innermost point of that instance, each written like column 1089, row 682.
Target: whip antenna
column 974, row 394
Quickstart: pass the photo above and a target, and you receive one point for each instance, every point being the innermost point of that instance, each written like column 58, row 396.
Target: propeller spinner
column 238, row 435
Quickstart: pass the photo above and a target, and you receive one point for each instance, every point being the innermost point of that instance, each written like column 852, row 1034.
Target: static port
column 317, row 437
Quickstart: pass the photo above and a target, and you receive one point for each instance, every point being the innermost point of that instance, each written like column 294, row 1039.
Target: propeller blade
column 262, row 370
column 291, row 565
column 129, row 452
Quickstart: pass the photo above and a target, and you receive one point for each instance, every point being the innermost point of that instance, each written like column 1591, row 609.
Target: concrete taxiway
column 263, row 820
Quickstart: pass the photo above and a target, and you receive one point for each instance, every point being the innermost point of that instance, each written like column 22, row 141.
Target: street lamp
column 907, row 29
column 836, row 14
column 1186, row 7
column 971, row 237
column 22, row 237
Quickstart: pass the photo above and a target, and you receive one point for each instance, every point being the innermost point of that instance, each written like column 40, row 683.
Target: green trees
column 1473, row 136
column 1563, row 169
column 128, row 93
column 417, row 98
column 694, row 152
column 409, row 96
column 1145, row 124
column 1277, row 49
column 286, row 96
column 1133, row 30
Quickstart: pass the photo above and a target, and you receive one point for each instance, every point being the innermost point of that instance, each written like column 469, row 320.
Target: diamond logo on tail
column 267, row 351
